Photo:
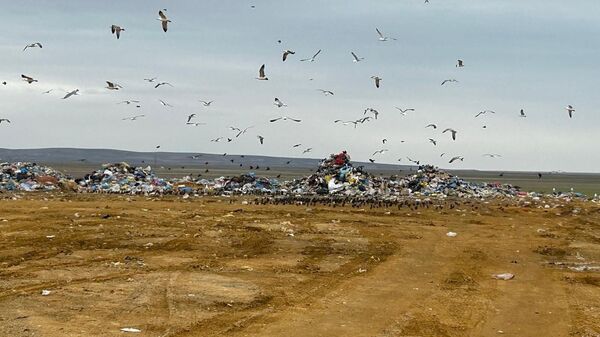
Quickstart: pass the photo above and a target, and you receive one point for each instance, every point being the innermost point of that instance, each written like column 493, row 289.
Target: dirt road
column 215, row 267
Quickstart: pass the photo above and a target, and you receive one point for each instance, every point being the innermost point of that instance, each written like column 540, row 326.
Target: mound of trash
column 123, row 178
column 28, row 177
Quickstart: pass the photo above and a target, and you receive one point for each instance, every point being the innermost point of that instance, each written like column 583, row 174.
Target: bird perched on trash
column 449, row 81
column 455, row 159
column 72, row 93
column 460, row 64
column 112, row 86
column 484, row 112
column 164, row 21
column 382, row 37
column 189, row 117
column 570, row 110
column 355, row 58
column 286, row 53
column 433, row 141
column 522, row 113
column 312, row 59
column 285, row 118
column 206, row 103
column 261, row 139
column 377, row 80
column 28, row 79
column 4, row 120
column 33, row 45
column 261, row 74
column 279, row 103
column 133, row 118
column 326, row 92
column 117, row 30
column 161, row 84
column 451, row 131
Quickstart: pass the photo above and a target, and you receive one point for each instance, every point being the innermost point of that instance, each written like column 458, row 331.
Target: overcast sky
column 536, row 55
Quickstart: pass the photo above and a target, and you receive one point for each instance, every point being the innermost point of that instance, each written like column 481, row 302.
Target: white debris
column 504, row 276
column 46, row 292
column 451, row 234
column 130, row 330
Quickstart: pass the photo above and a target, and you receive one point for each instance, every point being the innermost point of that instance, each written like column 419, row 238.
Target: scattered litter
column 451, row 234
column 504, row 276
column 130, row 330
column 50, row 236
column 46, row 292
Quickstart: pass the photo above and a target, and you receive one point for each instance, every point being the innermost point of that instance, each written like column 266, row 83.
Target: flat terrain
column 222, row 267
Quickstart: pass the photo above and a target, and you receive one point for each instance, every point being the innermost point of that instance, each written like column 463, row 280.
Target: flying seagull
column 460, row 64
column 128, row 102
column 286, row 53
column 206, row 103
column 484, row 112
column 240, row 131
column 384, row 140
column 195, row 124
column 4, row 120
column 112, row 86
column 522, row 113
column 216, row 140
column 165, row 103
column 382, row 151
column 491, row 155
column 377, row 80
column 449, row 81
column 69, row 94
column 382, row 37
column 404, row 111
column 312, row 59
column 413, row 161
column 261, row 74
column 356, row 58
column 452, row 131
column 296, row 145
column 433, row 141
column 285, row 118
column 307, row 150
column 28, row 79
column 163, row 20
column 570, row 109
column 133, row 118
column 33, row 45
column 261, row 139
column 117, row 30
column 326, row 92
column 47, row 91
column 373, row 111
column 161, row 84
column 189, row 118
column 455, row 159
column 432, row 125
column 150, row 80
column 279, row 103
column 346, row 122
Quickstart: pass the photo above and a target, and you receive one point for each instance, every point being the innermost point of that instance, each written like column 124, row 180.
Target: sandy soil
column 219, row 267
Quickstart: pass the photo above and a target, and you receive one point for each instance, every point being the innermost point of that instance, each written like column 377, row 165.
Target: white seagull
column 326, row 92
column 285, row 118
column 279, row 103
column 449, row 81
column 452, row 131
column 33, row 45
column 484, row 112
column 28, row 79
column 460, row 64
column 261, row 74
column 522, row 113
column 112, row 86
column 206, row 103
column 133, row 118
column 377, row 80
column 455, row 159
column 570, row 109
column 382, row 37
column 307, row 150
column 286, row 53
column 72, row 93
column 189, row 118
column 356, row 58
column 261, row 139
column 165, row 103
column 404, row 111
column 382, row 151
column 117, row 30
column 432, row 125
column 161, row 84
column 163, row 20
column 312, row 59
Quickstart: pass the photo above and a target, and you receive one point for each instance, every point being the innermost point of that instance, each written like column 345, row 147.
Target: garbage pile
column 247, row 183
column 29, row 177
column 123, row 178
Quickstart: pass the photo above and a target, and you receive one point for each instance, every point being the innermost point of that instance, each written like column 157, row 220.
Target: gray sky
column 537, row 55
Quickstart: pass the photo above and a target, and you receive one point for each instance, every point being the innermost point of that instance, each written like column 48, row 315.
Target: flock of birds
column 369, row 114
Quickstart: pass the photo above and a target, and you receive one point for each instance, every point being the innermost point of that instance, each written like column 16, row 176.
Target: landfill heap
column 247, row 183
column 27, row 177
column 123, row 178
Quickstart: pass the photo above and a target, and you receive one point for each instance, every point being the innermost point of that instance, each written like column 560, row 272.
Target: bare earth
column 211, row 267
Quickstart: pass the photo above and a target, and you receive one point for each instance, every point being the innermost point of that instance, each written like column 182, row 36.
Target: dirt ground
column 221, row 267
